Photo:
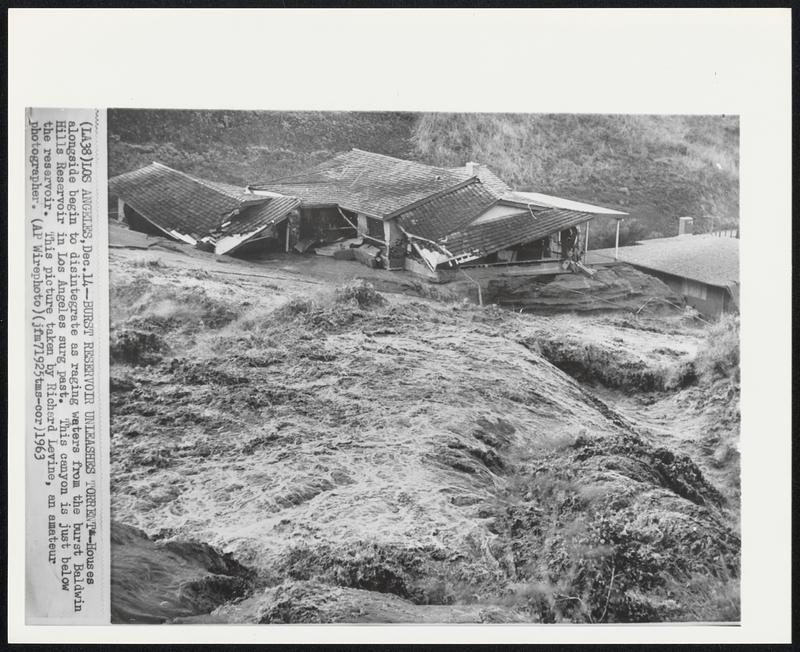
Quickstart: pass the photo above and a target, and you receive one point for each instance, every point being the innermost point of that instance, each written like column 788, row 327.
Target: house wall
column 713, row 305
column 396, row 241
column 709, row 300
column 393, row 235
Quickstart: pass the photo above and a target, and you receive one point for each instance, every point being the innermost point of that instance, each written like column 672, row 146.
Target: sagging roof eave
column 618, row 215
column 553, row 201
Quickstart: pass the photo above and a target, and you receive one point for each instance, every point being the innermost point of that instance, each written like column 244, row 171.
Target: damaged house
column 382, row 210
column 217, row 216
column 442, row 218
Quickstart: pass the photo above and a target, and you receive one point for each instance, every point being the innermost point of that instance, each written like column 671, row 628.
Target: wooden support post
column 120, row 210
column 344, row 217
column 586, row 239
column 616, row 245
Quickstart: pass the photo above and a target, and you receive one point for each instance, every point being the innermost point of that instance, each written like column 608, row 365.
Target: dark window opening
column 375, row 228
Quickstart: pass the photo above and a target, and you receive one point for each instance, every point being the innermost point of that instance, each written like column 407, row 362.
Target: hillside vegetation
column 657, row 168
column 247, row 146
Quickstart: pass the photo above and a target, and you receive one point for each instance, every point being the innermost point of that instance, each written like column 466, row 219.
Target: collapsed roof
column 252, row 222
column 456, row 225
column 479, row 239
column 192, row 209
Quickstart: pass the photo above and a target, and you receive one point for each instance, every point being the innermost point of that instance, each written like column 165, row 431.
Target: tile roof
column 704, row 257
column 190, row 208
column 447, row 211
column 482, row 239
column 366, row 182
column 176, row 201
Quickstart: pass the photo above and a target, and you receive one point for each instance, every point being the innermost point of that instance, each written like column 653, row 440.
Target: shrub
column 720, row 357
column 362, row 293
column 294, row 307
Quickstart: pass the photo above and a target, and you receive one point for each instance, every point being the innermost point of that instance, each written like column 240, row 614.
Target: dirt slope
column 367, row 456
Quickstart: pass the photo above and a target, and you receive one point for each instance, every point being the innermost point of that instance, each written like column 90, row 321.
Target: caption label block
column 67, row 546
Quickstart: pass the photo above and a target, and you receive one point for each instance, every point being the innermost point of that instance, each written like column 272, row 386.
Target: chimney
column 685, row 225
column 472, row 168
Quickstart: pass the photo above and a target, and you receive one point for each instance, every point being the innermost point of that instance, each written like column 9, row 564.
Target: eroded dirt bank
column 367, row 457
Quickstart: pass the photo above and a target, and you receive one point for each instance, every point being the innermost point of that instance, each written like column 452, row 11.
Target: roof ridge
column 366, row 151
column 181, row 172
column 283, row 179
column 404, row 160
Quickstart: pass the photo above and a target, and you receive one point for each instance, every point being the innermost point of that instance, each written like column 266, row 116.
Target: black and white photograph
column 368, row 326
column 408, row 367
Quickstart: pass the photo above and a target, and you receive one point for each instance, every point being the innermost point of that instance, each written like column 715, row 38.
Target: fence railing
column 725, row 233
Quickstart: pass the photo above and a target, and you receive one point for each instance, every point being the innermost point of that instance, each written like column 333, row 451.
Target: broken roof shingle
column 252, row 222
column 176, row 201
column 255, row 218
column 484, row 238
column 447, row 211
column 366, row 182
column 704, row 257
